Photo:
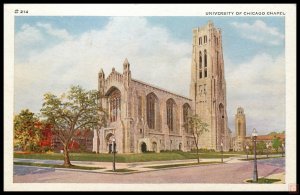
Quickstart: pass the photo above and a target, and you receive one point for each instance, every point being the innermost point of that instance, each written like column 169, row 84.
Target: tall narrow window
column 170, row 114
column 115, row 105
column 139, row 106
column 200, row 40
column 200, row 65
column 205, row 39
column 151, row 104
column 215, row 39
column 217, row 59
column 205, row 58
column 186, row 111
column 205, row 63
column 200, row 60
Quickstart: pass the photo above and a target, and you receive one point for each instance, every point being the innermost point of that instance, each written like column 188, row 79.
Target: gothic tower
column 208, row 87
column 240, row 128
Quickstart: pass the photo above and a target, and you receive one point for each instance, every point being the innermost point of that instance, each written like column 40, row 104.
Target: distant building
column 240, row 130
column 267, row 139
column 82, row 141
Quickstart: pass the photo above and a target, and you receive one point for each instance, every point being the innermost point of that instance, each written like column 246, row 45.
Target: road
column 218, row 173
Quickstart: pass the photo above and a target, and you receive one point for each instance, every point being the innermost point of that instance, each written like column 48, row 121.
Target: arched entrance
column 108, row 140
column 143, row 147
column 154, row 146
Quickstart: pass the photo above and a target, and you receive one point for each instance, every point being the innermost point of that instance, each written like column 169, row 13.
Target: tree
column 276, row 143
column 26, row 131
column 198, row 127
column 76, row 110
column 46, row 137
column 261, row 146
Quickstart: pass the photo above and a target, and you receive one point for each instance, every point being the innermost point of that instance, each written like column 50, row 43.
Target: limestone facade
column 143, row 117
column 208, row 86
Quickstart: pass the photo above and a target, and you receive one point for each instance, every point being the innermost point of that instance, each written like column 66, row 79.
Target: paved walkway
column 106, row 167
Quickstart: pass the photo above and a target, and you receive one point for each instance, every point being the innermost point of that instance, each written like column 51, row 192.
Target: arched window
column 205, row 58
column 114, row 104
column 170, row 114
column 151, row 104
column 205, row 63
column 186, row 111
column 200, row 65
column 200, row 40
column 205, row 39
column 200, row 60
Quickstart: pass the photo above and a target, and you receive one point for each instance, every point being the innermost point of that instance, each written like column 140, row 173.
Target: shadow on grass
column 261, row 158
column 263, row 180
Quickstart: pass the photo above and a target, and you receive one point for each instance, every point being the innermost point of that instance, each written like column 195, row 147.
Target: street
column 214, row 173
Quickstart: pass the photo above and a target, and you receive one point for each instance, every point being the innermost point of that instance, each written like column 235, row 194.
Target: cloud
column 259, row 32
column 155, row 57
column 259, row 87
column 59, row 33
column 26, row 40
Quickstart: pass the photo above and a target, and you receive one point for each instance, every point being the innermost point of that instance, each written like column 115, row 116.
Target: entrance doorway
column 180, row 147
column 143, row 147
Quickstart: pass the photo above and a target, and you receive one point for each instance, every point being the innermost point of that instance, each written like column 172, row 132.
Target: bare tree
column 198, row 127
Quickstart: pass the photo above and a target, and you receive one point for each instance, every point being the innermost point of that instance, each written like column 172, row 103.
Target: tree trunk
column 67, row 162
column 198, row 155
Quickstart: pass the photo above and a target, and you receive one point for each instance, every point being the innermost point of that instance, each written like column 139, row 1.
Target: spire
column 126, row 64
column 101, row 71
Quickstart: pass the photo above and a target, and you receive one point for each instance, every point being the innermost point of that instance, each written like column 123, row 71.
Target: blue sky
column 51, row 53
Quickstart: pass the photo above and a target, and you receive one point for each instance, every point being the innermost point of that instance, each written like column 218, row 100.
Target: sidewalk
column 136, row 167
column 106, row 167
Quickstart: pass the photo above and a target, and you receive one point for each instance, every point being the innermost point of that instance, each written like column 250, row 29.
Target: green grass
column 121, row 170
column 179, row 165
column 126, row 158
column 261, row 158
column 56, row 166
column 264, row 180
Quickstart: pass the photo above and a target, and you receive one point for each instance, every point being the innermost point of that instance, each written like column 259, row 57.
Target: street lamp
column 114, row 153
column 282, row 145
column 255, row 175
column 222, row 151
column 247, row 149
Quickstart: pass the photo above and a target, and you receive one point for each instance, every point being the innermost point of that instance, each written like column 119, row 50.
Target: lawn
column 180, row 165
column 56, row 166
column 264, row 180
column 125, row 158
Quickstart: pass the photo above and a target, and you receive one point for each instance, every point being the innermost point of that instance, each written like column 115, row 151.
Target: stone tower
column 240, row 128
column 208, row 87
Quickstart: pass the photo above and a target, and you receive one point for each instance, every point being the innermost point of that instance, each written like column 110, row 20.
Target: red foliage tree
column 46, row 136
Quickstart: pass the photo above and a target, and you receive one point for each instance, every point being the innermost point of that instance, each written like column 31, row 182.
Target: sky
column 52, row 53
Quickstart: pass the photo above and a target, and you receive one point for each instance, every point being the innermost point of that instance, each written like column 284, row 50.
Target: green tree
column 198, row 127
column 26, row 131
column 276, row 143
column 261, row 146
column 73, row 111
